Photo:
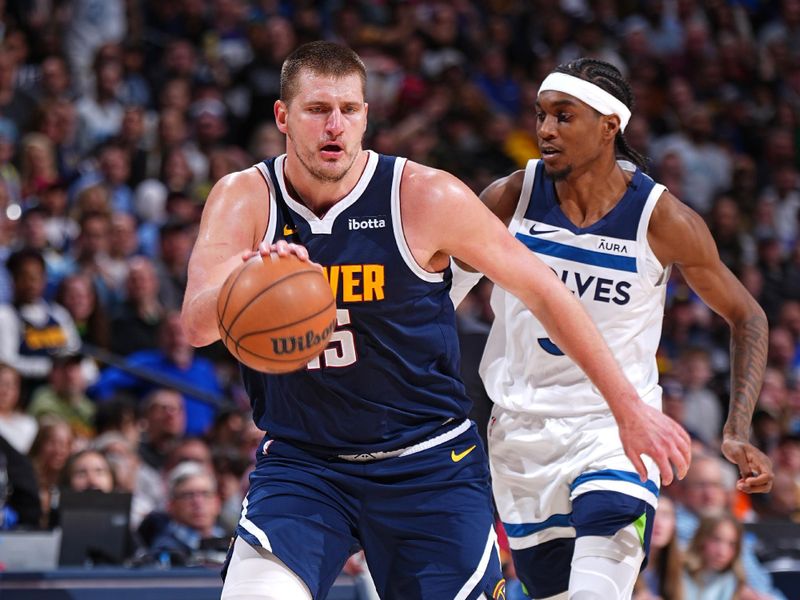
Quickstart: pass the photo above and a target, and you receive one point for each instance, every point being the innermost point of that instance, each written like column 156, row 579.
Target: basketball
column 275, row 314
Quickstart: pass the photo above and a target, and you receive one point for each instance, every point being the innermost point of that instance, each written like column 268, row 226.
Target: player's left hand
column 653, row 433
column 755, row 467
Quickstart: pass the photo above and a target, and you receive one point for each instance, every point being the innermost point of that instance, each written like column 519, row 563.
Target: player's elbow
column 753, row 317
column 198, row 333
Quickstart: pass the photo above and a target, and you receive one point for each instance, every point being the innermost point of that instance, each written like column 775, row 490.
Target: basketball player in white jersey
column 574, row 500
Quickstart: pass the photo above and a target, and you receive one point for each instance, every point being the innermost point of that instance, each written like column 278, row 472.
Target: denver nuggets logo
column 499, row 592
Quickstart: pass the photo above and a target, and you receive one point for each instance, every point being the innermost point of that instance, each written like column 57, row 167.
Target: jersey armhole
column 269, row 233
column 399, row 235
column 524, row 196
column 654, row 274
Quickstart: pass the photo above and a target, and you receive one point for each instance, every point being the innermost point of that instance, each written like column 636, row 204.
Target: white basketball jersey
column 612, row 270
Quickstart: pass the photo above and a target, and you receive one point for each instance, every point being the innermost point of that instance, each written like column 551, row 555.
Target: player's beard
column 560, row 174
column 321, row 174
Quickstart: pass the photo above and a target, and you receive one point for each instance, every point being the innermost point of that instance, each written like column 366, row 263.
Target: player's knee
column 605, row 567
column 624, row 547
column 596, row 578
column 255, row 574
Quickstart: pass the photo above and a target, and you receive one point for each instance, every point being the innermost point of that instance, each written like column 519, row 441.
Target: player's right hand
column 651, row 432
column 281, row 248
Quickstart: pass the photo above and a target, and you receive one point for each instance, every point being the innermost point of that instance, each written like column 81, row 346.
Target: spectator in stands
column 781, row 351
column 60, row 229
column 113, row 171
column 49, row 453
column 783, row 501
column 91, row 253
column 735, row 245
column 19, row 501
column 139, row 317
column 190, row 449
column 38, row 168
column 706, row 491
column 229, row 469
column 786, row 456
column 65, row 396
column 133, row 139
column 100, row 111
column 124, row 244
column 176, row 361
column 119, row 416
column 164, row 420
column 193, row 509
column 91, row 25
column 708, row 164
column 33, row 329
column 15, row 103
column 77, row 293
column 32, row 235
column 88, row 470
column 713, row 564
column 132, row 475
column 662, row 576
column 9, row 175
column 783, row 194
column 18, row 428
column 227, row 430
column 176, row 239
column 702, row 407
column 54, row 83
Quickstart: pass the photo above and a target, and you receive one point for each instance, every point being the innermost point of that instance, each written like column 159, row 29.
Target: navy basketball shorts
column 424, row 520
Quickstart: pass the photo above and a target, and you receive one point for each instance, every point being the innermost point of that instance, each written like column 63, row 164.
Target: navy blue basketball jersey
column 390, row 374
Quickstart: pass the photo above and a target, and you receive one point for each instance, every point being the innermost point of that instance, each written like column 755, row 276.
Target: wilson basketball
column 275, row 314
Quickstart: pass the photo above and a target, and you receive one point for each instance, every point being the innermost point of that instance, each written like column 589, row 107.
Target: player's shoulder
column 422, row 181
column 671, row 213
column 502, row 195
column 509, row 184
column 676, row 231
column 249, row 177
column 238, row 186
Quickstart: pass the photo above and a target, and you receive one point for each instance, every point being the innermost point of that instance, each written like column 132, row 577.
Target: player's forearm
column 199, row 317
column 748, row 361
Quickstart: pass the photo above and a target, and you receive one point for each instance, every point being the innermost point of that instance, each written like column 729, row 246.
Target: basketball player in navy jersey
column 577, row 511
column 369, row 446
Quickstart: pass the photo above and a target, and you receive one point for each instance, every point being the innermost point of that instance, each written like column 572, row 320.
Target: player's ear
column 281, row 113
column 610, row 126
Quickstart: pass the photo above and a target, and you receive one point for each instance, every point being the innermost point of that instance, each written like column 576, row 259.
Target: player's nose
column 335, row 124
column 547, row 127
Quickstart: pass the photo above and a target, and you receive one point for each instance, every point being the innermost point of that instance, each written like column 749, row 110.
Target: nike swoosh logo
column 287, row 230
column 534, row 231
column 458, row 456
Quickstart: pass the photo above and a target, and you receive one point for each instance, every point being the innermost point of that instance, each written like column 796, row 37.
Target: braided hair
column 607, row 77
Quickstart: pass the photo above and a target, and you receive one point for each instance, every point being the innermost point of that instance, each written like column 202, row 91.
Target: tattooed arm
column 679, row 236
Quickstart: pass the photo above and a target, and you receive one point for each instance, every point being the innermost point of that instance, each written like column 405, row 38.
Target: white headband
column 587, row 92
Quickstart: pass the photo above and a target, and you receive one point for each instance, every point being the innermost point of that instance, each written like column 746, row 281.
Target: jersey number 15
column 341, row 350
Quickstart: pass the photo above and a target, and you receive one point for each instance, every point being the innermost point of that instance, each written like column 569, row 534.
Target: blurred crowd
column 117, row 117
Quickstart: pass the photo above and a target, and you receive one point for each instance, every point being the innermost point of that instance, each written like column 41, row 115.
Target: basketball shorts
column 424, row 520
column 558, row 478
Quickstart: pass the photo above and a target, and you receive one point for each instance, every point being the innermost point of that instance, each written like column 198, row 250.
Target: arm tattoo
column 748, row 360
